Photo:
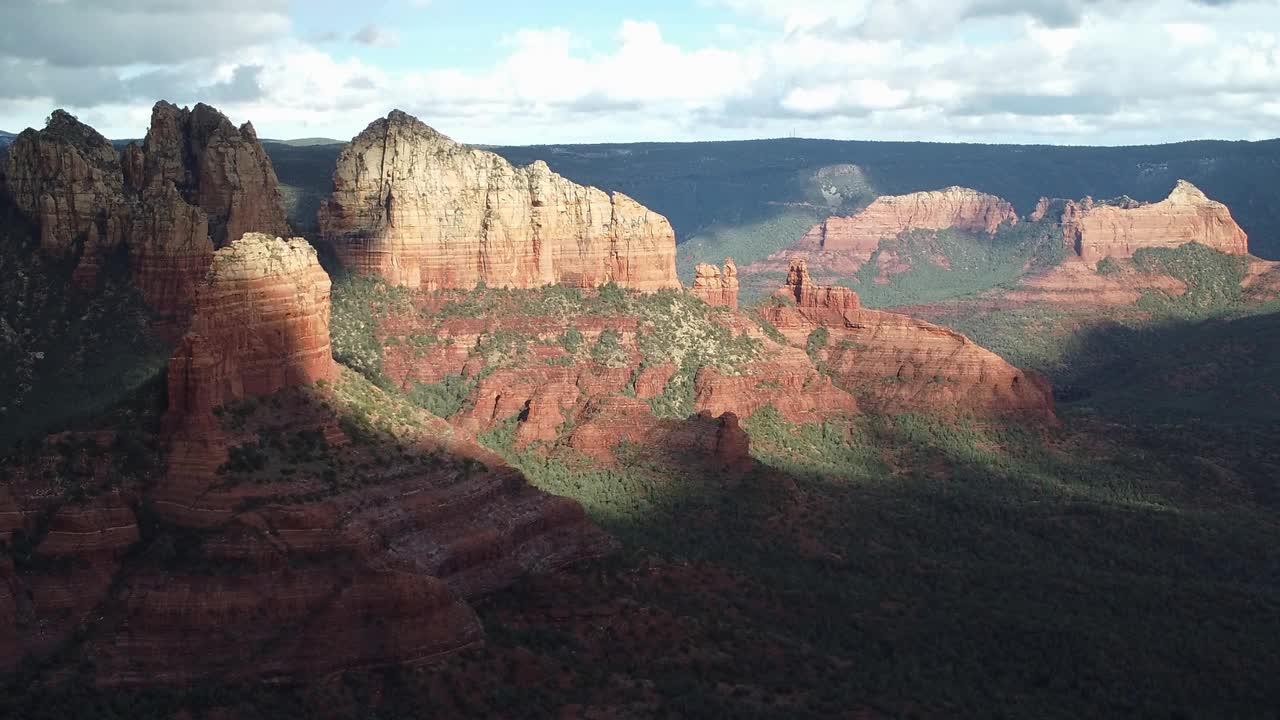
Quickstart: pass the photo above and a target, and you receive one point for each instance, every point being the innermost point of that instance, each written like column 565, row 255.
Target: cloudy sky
column 515, row 71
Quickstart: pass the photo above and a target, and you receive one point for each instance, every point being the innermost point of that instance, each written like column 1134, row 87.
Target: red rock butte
column 261, row 325
column 1097, row 230
column 421, row 210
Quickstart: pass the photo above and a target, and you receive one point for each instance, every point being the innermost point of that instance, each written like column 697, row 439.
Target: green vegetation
column 358, row 304
column 71, row 360
column 1212, row 277
column 445, row 398
column 608, row 350
column 947, row 264
column 817, row 342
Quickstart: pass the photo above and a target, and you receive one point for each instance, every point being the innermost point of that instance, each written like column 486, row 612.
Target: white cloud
column 374, row 36
column 981, row 70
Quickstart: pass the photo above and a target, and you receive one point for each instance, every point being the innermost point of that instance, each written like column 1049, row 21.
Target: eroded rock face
column 261, row 325
column 420, row 210
column 220, row 169
column 1117, row 229
column 895, row 363
column 67, row 178
column 195, row 183
column 714, row 287
column 892, row 215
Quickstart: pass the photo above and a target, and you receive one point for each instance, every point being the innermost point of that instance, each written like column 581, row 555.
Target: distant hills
column 755, row 197
column 6, row 137
column 308, row 142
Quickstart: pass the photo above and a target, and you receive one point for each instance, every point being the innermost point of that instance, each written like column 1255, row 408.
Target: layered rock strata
column 1096, row 230
column 891, row 215
column 421, row 210
column 892, row 362
column 262, row 325
column 299, row 528
column 843, row 244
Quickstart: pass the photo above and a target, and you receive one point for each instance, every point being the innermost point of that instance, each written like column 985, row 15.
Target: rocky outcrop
column 840, row 246
column 894, row 363
column 714, row 287
column 420, row 210
column 195, row 183
column 891, row 215
column 261, row 325
column 220, row 169
column 67, row 178
column 1096, row 230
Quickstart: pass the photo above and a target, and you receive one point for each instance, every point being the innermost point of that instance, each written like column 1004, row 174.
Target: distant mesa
column 891, row 215
column 844, row 244
column 1095, row 230
column 421, row 210
column 195, row 182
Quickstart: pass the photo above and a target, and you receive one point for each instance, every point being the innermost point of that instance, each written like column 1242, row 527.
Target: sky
column 1079, row 72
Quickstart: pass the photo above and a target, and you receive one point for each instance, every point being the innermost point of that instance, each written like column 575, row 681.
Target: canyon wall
column 421, row 210
column 891, row 215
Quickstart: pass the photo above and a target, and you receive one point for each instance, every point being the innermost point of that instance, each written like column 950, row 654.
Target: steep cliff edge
column 262, row 326
column 420, row 210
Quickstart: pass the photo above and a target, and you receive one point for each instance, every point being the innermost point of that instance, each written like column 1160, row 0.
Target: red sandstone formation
column 222, row 170
column 262, row 324
column 299, row 530
column 842, row 245
column 1118, row 228
column 891, row 215
column 1072, row 283
column 195, row 183
column 67, row 178
column 714, row 288
column 420, row 210
column 892, row 362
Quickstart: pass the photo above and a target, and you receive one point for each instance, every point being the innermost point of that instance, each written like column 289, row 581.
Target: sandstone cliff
column 222, row 170
column 714, row 287
column 194, row 183
column 892, row 215
column 67, row 178
column 262, row 325
column 895, row 363
column 415, row 207
column 842, row 245
column 1116, row 228
column 297, row 528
